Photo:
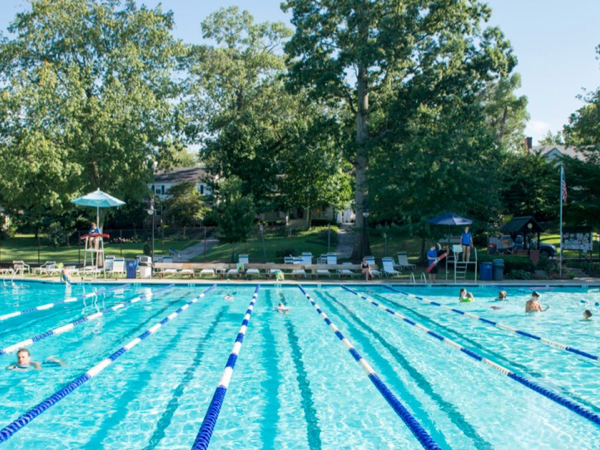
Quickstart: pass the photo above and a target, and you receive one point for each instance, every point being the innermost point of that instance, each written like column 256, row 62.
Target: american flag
column 563, row 185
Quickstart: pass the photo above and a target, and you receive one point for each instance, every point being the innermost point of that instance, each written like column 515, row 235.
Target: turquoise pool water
column 295, row 386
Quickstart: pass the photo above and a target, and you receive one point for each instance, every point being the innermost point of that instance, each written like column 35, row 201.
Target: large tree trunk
column 361, row 237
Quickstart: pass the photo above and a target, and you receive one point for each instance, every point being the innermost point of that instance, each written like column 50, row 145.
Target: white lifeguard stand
column 93, row 257
column 460, row 267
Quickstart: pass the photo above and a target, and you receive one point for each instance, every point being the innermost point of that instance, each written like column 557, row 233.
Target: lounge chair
column 245, row 260
column 210, row 272
column 346, row 272
column 43, row 269
column 388, row 266
column 299, row 272
column 168, row 260
column 403, row 261
column 20, row 266
column 331, row 260
column 117, row 267
column 371, row 262
column 273, row 272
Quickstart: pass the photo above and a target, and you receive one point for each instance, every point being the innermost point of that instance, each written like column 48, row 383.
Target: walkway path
column 345, row 242
column 195, row 250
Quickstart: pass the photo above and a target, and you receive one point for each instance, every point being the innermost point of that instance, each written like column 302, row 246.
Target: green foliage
column 57, row 235
column 86, row 101
column 511, row 262
column 184, row 206
column 553, row 139
column 236, row 211
column 530, row 186
column 518, row 275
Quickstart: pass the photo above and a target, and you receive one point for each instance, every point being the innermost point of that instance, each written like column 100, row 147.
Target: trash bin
column 485, row 270
column 145, row 263
column 131, row 268
column 498, row 269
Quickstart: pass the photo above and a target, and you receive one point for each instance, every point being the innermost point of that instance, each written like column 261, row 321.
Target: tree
column 236, row 212
column 244, row 109
column 373, row 56
column 553, row 139
column 184, row 206
column 86, row 101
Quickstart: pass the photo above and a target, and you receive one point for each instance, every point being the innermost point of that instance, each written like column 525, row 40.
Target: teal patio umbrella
column 98, row 199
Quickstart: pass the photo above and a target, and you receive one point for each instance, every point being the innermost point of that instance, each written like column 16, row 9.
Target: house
column 164, row 179
column 556, row 152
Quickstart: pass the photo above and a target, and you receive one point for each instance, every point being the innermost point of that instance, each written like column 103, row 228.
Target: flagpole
column 561, row 220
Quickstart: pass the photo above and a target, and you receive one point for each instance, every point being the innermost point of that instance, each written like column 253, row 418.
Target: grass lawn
column 275, row 247
column 24, row 247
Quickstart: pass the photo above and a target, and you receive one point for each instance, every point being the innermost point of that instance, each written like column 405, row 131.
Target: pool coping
column 583, row 283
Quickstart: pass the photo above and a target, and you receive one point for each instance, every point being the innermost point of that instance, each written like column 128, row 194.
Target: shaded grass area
column 25, row 247
column 274, row 247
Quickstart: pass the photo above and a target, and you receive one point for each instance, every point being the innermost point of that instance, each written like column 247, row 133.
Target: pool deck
column 576, row 282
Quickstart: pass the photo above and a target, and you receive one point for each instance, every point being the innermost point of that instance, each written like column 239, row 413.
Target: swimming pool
column 294, row 384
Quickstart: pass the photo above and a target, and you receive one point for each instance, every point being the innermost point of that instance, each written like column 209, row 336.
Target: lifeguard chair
column 93, row 258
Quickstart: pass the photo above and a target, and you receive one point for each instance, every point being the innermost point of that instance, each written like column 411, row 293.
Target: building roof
column 181, row 174
column 519, row 224
column 564, row 150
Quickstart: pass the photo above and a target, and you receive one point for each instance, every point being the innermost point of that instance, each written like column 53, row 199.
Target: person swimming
column 24, row 362
column 465, row 297
column 502, row 296
column 228, row 297
column 587, row 315
column 533, row 304
column 282, row 309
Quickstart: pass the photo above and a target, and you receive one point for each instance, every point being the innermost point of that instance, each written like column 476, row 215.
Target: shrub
column 57, row 235
column 519, row 275
column 511, row 262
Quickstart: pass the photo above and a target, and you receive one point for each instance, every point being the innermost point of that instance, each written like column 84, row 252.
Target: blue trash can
column 498, row 269
column 131, row 269
column 485, row 270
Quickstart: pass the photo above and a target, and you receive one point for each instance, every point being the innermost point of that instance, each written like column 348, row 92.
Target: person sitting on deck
column 366, row 269
column 534, row 305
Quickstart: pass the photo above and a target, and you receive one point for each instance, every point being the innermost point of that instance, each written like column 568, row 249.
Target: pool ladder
column 413, row 280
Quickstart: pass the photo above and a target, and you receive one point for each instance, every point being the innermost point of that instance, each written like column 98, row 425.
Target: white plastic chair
column 346, row 272
column 388, row 266
column 245, row 260
column 403, row 261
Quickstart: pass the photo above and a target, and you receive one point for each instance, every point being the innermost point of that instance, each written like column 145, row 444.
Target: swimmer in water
column 228, row 297
column 533, row 304
column 24, row 362
column 502, row 296
column 282, row 309
column 587, row 315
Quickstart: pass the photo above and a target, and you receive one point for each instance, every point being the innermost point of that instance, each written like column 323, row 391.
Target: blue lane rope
column 67, row 300
column 504, row 327
column 70, row 326
column 26, row 418
column 577, row 409
column 415, row 427
column 214, row 408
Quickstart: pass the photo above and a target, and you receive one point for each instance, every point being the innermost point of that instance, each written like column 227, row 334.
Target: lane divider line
column 67, row 300
column 415, row 427
column 577, row 409
column 68, row 327
column 504, row 327
column 214, row 408
column 26, row 418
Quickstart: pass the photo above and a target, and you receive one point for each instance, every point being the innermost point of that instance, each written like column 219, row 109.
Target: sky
column 554, row 40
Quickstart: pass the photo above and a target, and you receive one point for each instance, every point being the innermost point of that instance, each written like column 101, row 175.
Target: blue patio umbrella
column 450, row 219
column 99, row 200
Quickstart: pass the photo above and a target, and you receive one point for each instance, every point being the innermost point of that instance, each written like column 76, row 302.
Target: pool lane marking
column 26, row 418
column 214, row 408
column 453, row 411
column 577, row 409
column 415, row 427
column 504, row 327
column 67, row 300
column 68, row 327
column 165, row 420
